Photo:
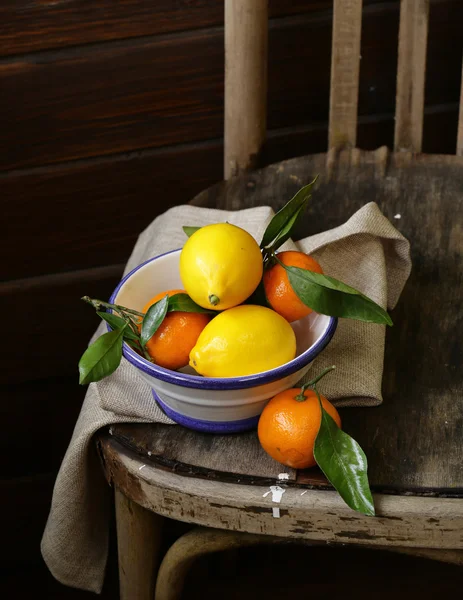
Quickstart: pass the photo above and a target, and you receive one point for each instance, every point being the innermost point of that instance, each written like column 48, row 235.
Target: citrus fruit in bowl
column 177, row 335
column 243, row 340
column 222, row 403
column 221, row 265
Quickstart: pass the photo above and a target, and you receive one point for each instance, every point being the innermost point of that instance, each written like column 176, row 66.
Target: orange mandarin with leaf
column 278, row 290
column 289, row 424
column 178, row 333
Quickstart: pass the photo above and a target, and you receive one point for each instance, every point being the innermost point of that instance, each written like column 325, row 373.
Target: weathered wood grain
column 111, row 98
column 147, row 93
column 345, row 68
column 411, row 71
column 245, row 120
column 89, row 213
column 49, row 326
column 138, row 541
column 33, row 25
column 231, row 457
column 316, row 515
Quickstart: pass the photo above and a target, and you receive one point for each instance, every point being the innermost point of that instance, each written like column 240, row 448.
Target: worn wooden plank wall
column 110, row 113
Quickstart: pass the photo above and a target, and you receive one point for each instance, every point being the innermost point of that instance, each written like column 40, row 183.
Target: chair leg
column 197, row 542
column 138, row 544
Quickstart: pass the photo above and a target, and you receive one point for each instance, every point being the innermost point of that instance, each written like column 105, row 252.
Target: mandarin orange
column 172, row 343
column 280, row 295
column 288, row 427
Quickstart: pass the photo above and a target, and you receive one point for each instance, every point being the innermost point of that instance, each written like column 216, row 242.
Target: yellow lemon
column 243, row 340
column 220, row 266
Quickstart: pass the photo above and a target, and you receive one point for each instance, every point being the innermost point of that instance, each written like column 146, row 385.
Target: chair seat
column 413, row 440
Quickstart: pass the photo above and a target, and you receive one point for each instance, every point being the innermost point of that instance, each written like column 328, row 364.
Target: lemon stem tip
column 213, row 299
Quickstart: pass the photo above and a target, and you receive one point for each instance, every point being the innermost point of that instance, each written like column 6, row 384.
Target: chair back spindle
column 246, row 31
column 345, row 70
column 460, row 121
column 411, row 71
column 246, row 25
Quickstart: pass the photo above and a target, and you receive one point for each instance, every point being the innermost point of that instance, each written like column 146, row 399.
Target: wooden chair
column 413, row 440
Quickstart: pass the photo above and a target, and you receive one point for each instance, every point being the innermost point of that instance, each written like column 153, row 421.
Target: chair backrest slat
column 246, row 33
column 411, row 71
column 345, row 68
column 460, row 121
column 246, row 27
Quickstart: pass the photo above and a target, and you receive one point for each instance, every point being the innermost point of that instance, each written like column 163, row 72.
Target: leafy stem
column 97, row 304
column 341, row 458
column 313, row 383
column 268, row 257
column 144, row 351
column 329, row 296
column 280, row 227
column 127, row 325
column 132, row 324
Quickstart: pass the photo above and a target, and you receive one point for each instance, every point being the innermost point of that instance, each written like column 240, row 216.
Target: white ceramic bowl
column 219, row 405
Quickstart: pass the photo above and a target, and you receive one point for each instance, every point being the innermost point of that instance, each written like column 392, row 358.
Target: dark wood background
column 112, row 112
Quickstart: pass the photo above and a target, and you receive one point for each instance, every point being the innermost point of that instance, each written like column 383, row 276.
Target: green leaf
column 190, row 230
column 344, row 463
column 285, row 218
column 285, row 232
column 102, row 357
column 153, row 319
column 183, row 303
column 116, row 322
column 328, row 296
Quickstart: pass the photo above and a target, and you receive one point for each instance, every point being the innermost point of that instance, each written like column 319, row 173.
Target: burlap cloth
column 367, row 252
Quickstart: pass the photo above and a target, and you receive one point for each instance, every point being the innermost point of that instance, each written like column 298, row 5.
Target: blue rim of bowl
column 221, row 383
column 235, row 426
